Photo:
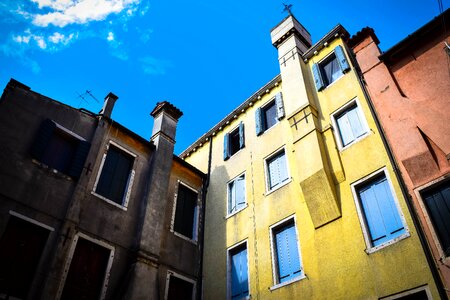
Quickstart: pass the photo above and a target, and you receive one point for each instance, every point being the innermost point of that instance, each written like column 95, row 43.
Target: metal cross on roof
column 287, row 7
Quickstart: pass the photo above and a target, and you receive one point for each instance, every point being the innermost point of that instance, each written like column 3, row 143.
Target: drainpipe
column 199, row 293
column 420, row 233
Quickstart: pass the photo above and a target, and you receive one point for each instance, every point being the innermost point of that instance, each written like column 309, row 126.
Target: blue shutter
column 258, row 121
column 287, row 253
column 241, row 135
column 317, row 77
column 355, row 122
column 42, row 139
column 341, row 59
column 239, row 275
column 79, row 158
column 280, row 106
column 240, row 191
column 226, row 152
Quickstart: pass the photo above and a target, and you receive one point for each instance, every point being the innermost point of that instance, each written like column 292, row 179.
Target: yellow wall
column 333, row 256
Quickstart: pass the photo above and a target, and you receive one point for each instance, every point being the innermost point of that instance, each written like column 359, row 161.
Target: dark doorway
column 21, row 247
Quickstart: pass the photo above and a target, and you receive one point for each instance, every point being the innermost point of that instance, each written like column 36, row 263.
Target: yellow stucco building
column 303, row 201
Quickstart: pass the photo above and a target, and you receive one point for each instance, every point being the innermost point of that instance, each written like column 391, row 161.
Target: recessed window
column 238, row 272
column 286, row 255
column 420, row 293
column 269, row 114
column 185, row 222
column 330, row 69
column 115, row 176
column 350, row 124
column 236, row 194
column 276, row 170
column 379, row 211
column 59, row 149
column 233, row 141
column 437, row 203
column 179, row 287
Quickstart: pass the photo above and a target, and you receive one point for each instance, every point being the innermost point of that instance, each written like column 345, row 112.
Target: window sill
column 365, row 135
column 237, row 211
column 278, row 187
column 388, row 243
column 280, row 285
column 109, row 201
column 184, row 237
column 331, row 84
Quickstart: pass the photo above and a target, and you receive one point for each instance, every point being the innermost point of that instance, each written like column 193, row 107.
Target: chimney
column 108, row 105
column 292, row 40
column 165, row 122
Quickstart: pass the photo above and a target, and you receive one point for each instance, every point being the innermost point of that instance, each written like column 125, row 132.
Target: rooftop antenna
column 84, row 95
column 287, row 8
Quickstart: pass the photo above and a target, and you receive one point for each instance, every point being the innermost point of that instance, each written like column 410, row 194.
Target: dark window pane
column 179, row 289
column 330, row 69
column 59, row 151
column 21, row 247
column 422, row 295
column 270, row 115
column 86, row 272
column 185, row 211
column 234, row 142
column 115, row 173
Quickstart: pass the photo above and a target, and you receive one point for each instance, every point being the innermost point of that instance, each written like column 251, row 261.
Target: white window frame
column 266, row 171
column 175, row 274
column 361, row 215
column 418, row 191
column 128, row 188
column 69, row 260
column 336, row 131
column 229, row 250
column 30, row 220
column 196, row 214
column 229, row 214
column 410, row 292
column 273, row 251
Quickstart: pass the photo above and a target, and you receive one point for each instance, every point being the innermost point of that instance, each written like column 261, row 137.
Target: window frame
column 317, row 68
column 410, row 292
column 229, row 214
column 260, row 116
column 269, row 189
column 69, row 261
column 370, row 248
column 130, row 181
column 336, row 130
column 196, row 214
column 229, row 267
column 419, row 192
column 276, row 280
column 171, row 273
column 240, row 129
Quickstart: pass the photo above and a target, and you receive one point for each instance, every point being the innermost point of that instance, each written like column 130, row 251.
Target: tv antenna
column 86, row 94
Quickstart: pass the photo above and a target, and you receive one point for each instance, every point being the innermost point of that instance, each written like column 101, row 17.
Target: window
column 238, row 272
column 420, row 293
column 185, row 222
column 350, row 124
column 236, row 194
column 330, row 69
column 179, row 287
column 233, row 141
column 378, row 209
column 276, row 170
column 268, row 115
column 116, row 175
column 286, row 255
column 60, row 149
column 86, row 272
column 437, row 203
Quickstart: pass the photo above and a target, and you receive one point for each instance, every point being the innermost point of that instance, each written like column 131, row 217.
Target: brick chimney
column 108, row 105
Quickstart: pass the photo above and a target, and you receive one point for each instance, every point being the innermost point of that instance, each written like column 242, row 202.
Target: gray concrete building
column 91, row 210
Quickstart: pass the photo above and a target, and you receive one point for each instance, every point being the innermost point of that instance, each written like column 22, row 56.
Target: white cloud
column 153, row 66
column 110, row 36
column 80, row 12
column 59, row 38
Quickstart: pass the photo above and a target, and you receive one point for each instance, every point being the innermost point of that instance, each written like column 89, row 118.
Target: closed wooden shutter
column 239, row 274
column 318, row 77
column 287, row 253
column 280, row 105
column 343, row 63
column 241, row 135
column 258, row 121
column 226, row 152
column 185, row 212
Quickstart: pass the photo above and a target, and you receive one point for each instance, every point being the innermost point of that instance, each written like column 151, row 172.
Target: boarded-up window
column 21, row 247
column 186, row 212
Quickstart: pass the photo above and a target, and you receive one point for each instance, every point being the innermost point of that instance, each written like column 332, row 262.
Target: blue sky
column 206, row 57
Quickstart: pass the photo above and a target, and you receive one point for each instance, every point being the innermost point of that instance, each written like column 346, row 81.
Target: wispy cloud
column 154, row 66
column 68, row 12
column 52, row 42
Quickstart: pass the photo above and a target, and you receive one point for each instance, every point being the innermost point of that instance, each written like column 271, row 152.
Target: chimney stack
column 165, row 122
column 108, row 105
